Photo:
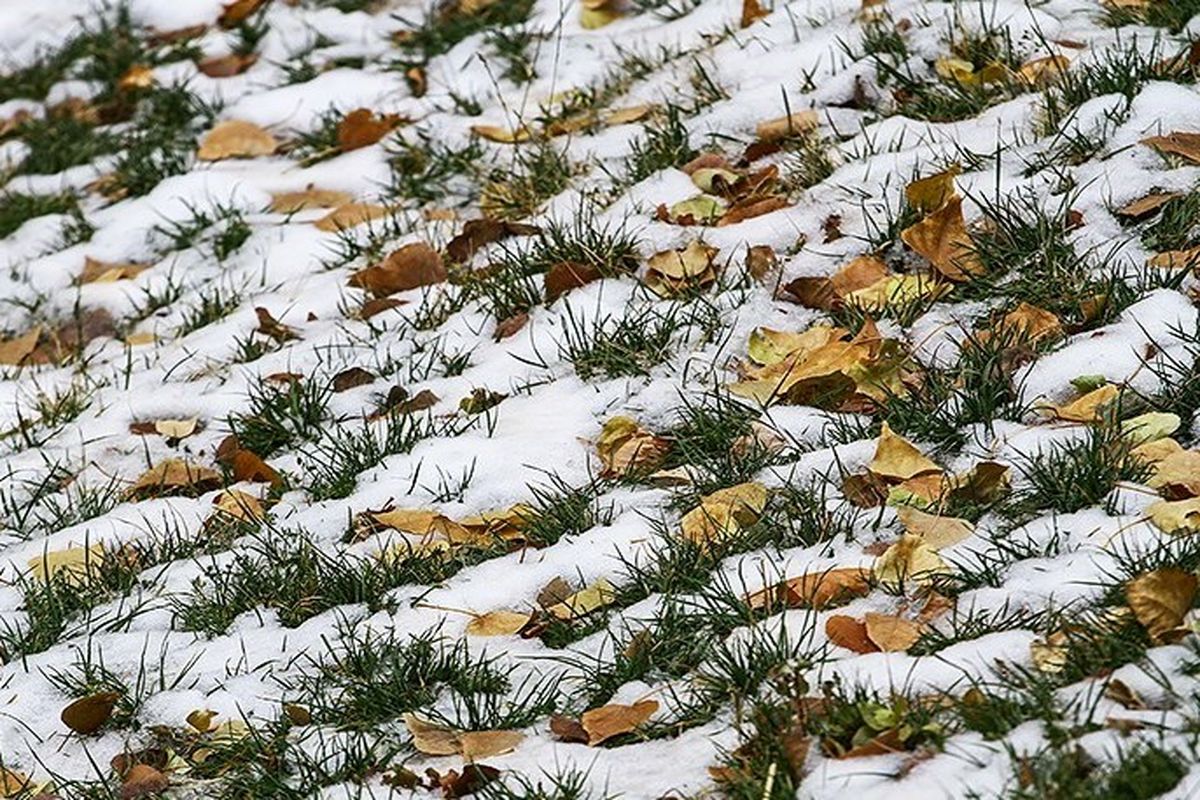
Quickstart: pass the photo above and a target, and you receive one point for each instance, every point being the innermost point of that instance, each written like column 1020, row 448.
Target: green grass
column 1142, row 771
column 662, row 145
column 17, row 209
column 281, row 416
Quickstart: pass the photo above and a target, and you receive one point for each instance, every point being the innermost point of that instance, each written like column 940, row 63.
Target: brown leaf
column 143, row 780
column 897, row 459
column 310, row 197
column 413, row 265
column 849, row 633
column 798, row 122
column 748, row 209
column 479, row 232
column 88, row 714
column 1147, row 206
column 752, row 12
column 1160, row 599
column 615, row 719
column 269, row 326
column 626, row 448
column 1186, row 145
column 247, row 466
column 568, row 729
column 378, row 305
column 567, row 275
column 891, row 633
column 175, row 476
column 761, row 261
column 361, row 128
column 828, row 292
column 95, row 271
column 236, row 139
column 14, row 352
column 498, row 623
column 441, row 740
column 473, row 778
column 349, row 378
column 554, row 592
column 814, row 590
column 235, row 13
column 942, row 238
column 227, row 66
column 510, row 326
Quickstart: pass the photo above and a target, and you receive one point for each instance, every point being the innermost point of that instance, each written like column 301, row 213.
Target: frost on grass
column 642, row 399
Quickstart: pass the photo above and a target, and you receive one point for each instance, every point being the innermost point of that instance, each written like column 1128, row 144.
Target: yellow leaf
column 139, row 76
column 798, row 122
column 938, row 532
column 173, row 475
column 614, row 719
column 911, row 558
column 890, row 633
column 672, row 271
column 95, row 271
column 1029, row 324
column 14, row 784
column 626, row 448
column 700, row 209
column 769, row 346
column 236, row 139
column 592, row 18
column 897, row 459
column 930, row 193
column 440, row 740
column 349, row 215
column 896, row 291
column 724, row 512
column 429, row 525
column 201, row 719
column 291, row 202
column 74, row 565
column 1176, row 474
column 1157, row 451
column 239, row 505
column 942, row 238
column 494, row 133
column 955, row 69
column 175, row 428
column 1050, row 655
column 1160, row 599
column 1172, row 516
column 1149, row 427
column 498, row 623
column 1042, row 72
column 585, row 601
column 1090, row 408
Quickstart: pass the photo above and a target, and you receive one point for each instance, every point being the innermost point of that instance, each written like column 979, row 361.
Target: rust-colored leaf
column 850, row 633
column 615, row 719
column 413, row 265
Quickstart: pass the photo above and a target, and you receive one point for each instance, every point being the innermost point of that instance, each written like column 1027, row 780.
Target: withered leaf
column 850, row 633
column 88, row 714
column 413, row 265
column 362, row 128
column 350, row 378
column 236, row 139
column 1160, row 599
column 1179, row 143
column 942, row 238
column 891, row 633
column 227, row 66
column 564, row 276
column 615, row 719
column 143, row 780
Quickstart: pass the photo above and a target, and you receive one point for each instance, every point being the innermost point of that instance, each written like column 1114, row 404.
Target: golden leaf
column 440, row 740
column 767, row 346
column 95, row 271
column 175, row 428
column 1160, row 599
column 892, row 634
column 911, row 558
column 724, row 512
column 494, row 133
column 942, row 238
column 598, row 595
column 794, row 124
column 1089, row 408
column 592, row 16
column 349, row 215
column 1176, row 474
column 895, row 291
column 814, row 590
column 614, row 719
column 173, row 475
column 1041, row 72
column 236, row 139
column 362, row 128
column 930, row 193
column 1156, row 451
column 1186, row 145
column 1149, row 427
column 139, row 76
column 1171, row 516
column 291, row 202
column 673, row 271
column 1029, row 324
column 73, row 565
column 626, row 448
column 13, row 352
column 938, row 532
column 1050, row 654
column 498, row 623
column 897, row 459
column 239, row 505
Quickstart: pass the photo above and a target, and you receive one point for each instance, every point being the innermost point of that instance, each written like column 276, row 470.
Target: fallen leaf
column 827, row 292
column 495, row 133
column 596, row 596
column 1149, row 427
column 441, row 740
column 752, row 12
column 88, row 714
column 174, row 476
column 350, row 215
column 143, row 780
column 1160, row 599
column 891, row 634
column 897, row 459
column 351, row 378
column 754, row 207
column 413, row 265
column 1147, row 206
column 849, row 633
column 74, row 566
column 896, row 291
column 794, row 124
column 1175, row 516
column 292, row 202
column 942, row 238
column 627, row 449
column 236, row 139
column 227, row 66
column 938, row 532
column 1186, row 145
column 615, row 719
column 910, row 558
column 564, row 276
column 930, row 193
column 13, row 783
column 1027, row 324
column 498, row 623
column 201, row 719
column 362, row 128
column 237, row 12
column 95, row 271
column 1042, row 72
column 816, row 590
column 175, row 428
column 472, row 778
column 1176, row 475
column 671, row 272
column 1050, row 654
column 1090, row 408
column 593, row 15
column 723, row 513
column 477, row 233
column 699, row 210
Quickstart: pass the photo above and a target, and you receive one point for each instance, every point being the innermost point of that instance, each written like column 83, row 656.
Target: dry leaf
column 1160, row 599
column 615, row 719
column 1147, row 206
column 891, row 634
column 88, row 714
column 1149, row 427
column 627, row 449
column 440, row 740
column 671, row 272
column 498, row 623
column 849, row 633
column 814, row 590
column 494, row 133
column 752, row 12
column 1175, row 516
column 897, row 459
column 236, row 139
column 227, row 66
column 942, row 238
column 564, row 276
column 794, row 124
column 413, row 265
column 910, row 558
column 1176, row 474
column 723, row 513
column 14, row 352
column 826, row 292
column 239, row 11
column 1090, row 408
column 95, row 271
column 143, row 780
column 175, row 428
column 1042, row 72
column 597, row 595
column 938, row 532
column 1050, row 654
column 292, row 202
column 930, row 193
column 477, row 233
column 362, row 128
column 1186, row 145
column 349, row 215
column 172, row 476
column 74, row 566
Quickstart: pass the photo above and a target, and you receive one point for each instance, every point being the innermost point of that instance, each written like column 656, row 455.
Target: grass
column 61, row 141
column 662, row 145
column 17, row 209
column 161, row 140
column 279, row 416
column 1141, row 772
column 540, row 170
column 439, row 31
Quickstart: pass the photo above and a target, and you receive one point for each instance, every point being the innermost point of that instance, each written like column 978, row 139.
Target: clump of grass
column 427, row 170
column 280, row 416
column 1173, row 15
column 1176, row 227
column 664, row 144
column 60, row 141
column 1067, row 772
column 512, row 46
column 440, row 30
column 17, row 209
column 211, row 306
column 160, row 140
column 540, row 170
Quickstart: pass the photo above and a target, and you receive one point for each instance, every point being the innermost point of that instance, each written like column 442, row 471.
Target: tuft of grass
column 662, row 145
column 1142, row 771
column 17, row 209
column 280, row 416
